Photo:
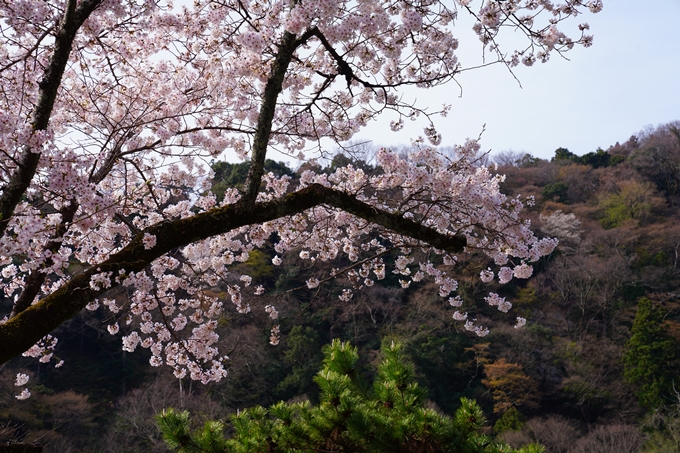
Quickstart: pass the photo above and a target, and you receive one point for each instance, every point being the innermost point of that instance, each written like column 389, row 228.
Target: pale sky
column 628, row 79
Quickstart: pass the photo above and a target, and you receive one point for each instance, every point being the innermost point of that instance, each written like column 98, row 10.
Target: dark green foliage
column 651, row 356
column 632, row 291
column 234, row 175
column 647, row 258
column 511, row 420
column 178, row 436
column 259, row 266
column 97, row 366
column 341, row 160
column 441, row 360
column 563, row 154
column 291, row 276
column 391, row 418
column 615, row 160
column 304, row 357
column 556, row 191
column 595, row 159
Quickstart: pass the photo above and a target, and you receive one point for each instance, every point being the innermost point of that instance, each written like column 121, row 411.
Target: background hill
column 597, row 363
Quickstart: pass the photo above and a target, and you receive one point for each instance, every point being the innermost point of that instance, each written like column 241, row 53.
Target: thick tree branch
column 22, row 331
column 266, row 117
column 49, row 86
column 287, row 47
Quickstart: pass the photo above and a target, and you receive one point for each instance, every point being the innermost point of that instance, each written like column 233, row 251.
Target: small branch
column 345, row 69
column 335, row 275
column 29, row 51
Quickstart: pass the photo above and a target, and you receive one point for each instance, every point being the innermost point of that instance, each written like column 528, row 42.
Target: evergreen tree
column 349, row 418
column 651, row 355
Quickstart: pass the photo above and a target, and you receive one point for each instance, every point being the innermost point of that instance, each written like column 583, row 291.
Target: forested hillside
column 596, row 368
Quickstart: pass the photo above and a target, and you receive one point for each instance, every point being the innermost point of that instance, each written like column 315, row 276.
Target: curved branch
column 24, row 330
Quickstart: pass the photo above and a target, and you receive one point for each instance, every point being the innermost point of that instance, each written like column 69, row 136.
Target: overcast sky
column 628, row 79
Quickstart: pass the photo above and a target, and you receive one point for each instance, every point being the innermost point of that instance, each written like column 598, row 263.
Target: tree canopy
column 390, row 417
column 111, row 111
column 651, row 356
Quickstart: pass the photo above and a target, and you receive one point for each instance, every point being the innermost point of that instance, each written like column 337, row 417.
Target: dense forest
column 595, row 369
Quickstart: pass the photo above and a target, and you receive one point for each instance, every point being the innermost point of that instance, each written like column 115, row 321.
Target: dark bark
column 24, row 330
column 266, row 116
column 287, row 47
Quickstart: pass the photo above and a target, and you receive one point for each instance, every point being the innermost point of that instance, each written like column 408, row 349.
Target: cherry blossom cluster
column 21, row 380
column 523, row 15
column 452, row 194
column 43, row 350
column 499, row 302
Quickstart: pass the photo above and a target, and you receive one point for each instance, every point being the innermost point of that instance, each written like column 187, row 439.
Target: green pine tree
column 651, row 356
column 390, row 417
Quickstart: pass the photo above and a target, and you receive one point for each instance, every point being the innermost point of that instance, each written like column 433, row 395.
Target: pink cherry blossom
column 21, row 379
column 486, row 275
column 25, row 394
column 504, row 275
column 149, row 241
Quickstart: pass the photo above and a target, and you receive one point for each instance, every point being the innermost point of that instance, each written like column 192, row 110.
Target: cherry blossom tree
column 110, row 111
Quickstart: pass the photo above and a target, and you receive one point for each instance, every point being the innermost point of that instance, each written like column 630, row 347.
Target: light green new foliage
column 390, row 417
column 176, row 433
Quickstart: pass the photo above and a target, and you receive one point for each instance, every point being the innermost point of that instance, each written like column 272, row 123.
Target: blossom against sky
column 628, row 79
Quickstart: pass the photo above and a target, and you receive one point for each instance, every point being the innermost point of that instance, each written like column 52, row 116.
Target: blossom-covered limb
column 23, row 330
column 111, row 174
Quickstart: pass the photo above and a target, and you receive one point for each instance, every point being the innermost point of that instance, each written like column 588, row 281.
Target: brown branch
column 266, row 116
column 287, row 47
column 29, row 51
column 24, row 330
